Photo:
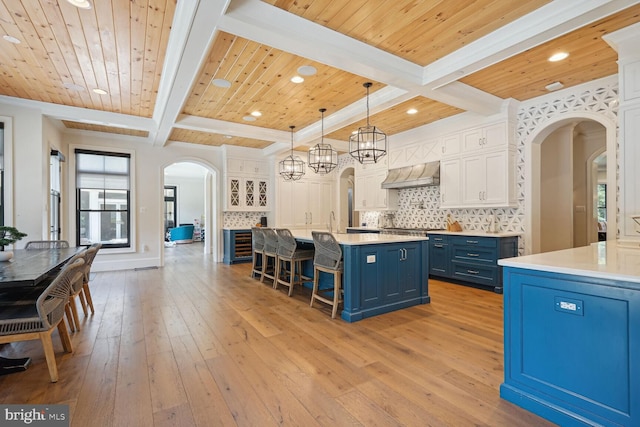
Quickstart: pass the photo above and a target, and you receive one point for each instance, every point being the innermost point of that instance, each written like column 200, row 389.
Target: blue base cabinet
column 381, row 278
column 470, row 259
column 572, row 347
column 237, row 246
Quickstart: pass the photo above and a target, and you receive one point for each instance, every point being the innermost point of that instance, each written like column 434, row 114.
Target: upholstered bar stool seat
column 327, row 259
column 257, row 251
column 270, row 252
column 290, row 254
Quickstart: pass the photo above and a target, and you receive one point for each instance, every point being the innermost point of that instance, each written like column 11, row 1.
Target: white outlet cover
column 371, row 259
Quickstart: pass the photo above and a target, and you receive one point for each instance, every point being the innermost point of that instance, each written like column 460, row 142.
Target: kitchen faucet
column 332, row 217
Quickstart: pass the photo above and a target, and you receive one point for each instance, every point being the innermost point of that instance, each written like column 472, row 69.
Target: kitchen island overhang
column 572, row 335
column 382, row 273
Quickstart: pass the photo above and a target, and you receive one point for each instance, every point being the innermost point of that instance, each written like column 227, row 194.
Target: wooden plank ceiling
column 120, row 46
column 525, row 76
column 65, row 52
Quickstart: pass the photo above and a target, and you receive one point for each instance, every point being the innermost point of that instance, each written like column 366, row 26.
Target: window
column 103, row 198
column 602, row 202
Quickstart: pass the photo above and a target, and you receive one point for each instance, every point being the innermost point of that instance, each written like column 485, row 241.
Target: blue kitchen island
column 572, row 335
column 382, row 273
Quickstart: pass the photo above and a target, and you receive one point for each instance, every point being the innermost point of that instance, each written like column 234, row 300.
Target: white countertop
column 360, row 238
column 606, row 260
column 476, row 233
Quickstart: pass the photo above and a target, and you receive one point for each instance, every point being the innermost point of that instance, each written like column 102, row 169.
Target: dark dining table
column 22, row 275
column 28, row 268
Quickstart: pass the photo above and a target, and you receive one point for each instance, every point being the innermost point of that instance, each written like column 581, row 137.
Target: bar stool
column 289, row 252
column 270, row 252
column 327, row 259
column 257, row 243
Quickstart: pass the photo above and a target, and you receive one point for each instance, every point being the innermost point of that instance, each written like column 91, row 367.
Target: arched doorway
column 189, row 186
column 552, row 206
column 347, row 216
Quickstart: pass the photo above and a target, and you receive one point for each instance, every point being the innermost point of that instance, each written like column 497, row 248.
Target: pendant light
column 369, row 143
column 291, row 167
column 322, row 157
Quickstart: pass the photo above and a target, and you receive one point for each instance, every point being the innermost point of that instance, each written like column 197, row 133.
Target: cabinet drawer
column 475, row 254
column 471, row 241
column 475, row 273
column 435, row 238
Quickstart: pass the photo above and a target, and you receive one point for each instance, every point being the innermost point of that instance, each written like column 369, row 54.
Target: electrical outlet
column 371, row 259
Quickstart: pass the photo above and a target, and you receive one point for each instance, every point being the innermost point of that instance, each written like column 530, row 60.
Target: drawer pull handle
column 472, row 242
column 473, row 272
column 438, row 245
column 473, row 255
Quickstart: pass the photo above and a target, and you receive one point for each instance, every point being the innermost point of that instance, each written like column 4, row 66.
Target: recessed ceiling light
column 82, row 4
column 412, row 111
column 11, row 39
column 297, row 79
column 100, row 91
column 256, row 113
column 221, row 83
column 558, row 56
column 307, row 70
column 73, row 86
column 228, row 136
column 249, row 119
column 554, row 86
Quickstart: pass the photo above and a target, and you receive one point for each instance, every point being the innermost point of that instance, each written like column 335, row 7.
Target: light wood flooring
column 198, row 343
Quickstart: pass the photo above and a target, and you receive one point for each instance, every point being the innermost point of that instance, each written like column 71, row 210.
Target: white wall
column 30, row 171
column 148, row 203
column 556, row 190
column 190, row 192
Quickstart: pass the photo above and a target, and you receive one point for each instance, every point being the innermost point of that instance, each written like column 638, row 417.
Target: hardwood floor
column 199, row 343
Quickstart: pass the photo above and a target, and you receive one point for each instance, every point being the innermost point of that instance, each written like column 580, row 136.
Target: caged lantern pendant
column 322, row 157
column 291, row 167
column 369, row 143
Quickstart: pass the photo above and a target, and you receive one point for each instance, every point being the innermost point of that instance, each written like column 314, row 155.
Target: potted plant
column 8, row 235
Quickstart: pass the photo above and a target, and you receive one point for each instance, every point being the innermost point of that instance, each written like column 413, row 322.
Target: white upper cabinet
column 450, row 183
column 450, row 145
column 246, row 166
column 370, row 196
column 485, row 137
column 488, row 179
column 247, row 185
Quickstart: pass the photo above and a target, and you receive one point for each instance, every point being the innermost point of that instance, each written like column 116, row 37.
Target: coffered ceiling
column 157, row 60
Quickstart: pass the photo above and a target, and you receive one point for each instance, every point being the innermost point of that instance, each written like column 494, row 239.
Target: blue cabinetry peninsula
column 237, row 245
column 382, row 273
column 471, row 258
column 572, row 335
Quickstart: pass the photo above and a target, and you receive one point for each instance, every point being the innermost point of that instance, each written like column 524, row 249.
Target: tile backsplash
column 420, row 208
column 241, row 219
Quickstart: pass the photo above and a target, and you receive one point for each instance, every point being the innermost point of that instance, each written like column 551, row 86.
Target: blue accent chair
column 181, row 234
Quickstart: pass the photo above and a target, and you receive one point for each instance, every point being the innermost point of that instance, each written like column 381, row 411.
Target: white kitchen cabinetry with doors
column 485, row 137
column 488, row 179
column 306, row 203
column 369, row 196
column 483, row 172
column 247, row 185
column 450, row 188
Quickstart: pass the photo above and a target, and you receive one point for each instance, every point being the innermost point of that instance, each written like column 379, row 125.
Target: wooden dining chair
column 75, row 291
column 37, row 320
column 46, row 244
column 90, row 255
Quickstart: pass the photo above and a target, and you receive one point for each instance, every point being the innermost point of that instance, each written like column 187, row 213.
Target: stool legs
column 316, row 293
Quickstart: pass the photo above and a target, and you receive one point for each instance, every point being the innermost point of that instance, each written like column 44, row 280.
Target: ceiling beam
column 194, row 27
